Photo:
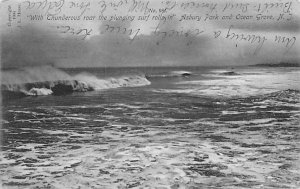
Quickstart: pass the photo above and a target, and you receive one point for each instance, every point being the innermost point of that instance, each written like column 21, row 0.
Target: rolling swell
column 46, row 81
column 180, row 73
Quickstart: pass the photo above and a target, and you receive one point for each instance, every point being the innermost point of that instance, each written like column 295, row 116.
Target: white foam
column 255, row 121
column 38, row 92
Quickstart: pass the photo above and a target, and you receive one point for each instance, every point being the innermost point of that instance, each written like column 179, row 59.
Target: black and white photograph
column 150, row 94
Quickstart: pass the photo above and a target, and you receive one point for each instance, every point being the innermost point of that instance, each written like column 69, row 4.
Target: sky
column 205, row 33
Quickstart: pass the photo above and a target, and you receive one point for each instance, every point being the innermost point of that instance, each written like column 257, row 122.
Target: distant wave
column 48, row 80
column 229, row 73
column 181, row 73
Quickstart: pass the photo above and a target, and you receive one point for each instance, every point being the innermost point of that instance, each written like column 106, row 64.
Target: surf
column 41, row 81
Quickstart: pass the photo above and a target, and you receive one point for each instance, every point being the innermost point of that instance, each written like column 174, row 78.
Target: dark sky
column 170, row 43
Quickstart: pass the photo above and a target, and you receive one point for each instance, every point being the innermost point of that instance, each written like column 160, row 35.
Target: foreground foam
column 146, row 145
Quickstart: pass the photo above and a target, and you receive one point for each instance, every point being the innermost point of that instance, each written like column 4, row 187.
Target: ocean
column 154, row 127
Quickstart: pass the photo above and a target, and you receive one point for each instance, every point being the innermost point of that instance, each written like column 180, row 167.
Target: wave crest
column 108, row 83
column 49, row 80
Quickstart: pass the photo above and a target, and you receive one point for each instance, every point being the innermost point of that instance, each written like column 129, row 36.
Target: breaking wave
column 48, row 80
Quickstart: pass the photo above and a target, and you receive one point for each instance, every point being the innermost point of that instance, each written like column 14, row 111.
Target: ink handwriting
column 50, row 7
column 83, row 33
column 121, row 30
